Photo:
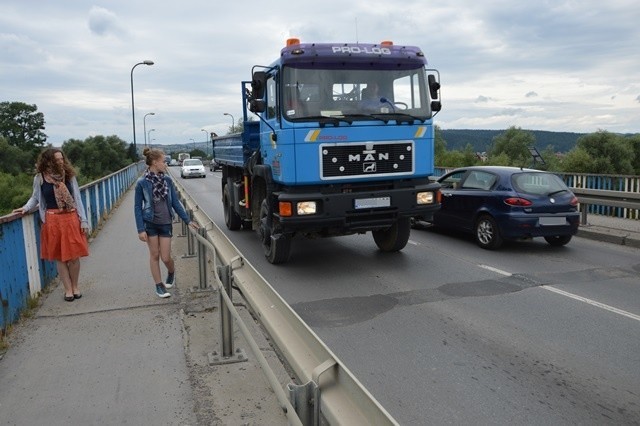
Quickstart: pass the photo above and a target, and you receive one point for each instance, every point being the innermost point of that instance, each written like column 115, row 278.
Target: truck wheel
column 395, row 237
column 231, row 218
column 276, row 248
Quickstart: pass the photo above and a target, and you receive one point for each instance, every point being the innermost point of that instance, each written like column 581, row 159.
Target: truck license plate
column 553, row 221
column 370, row 203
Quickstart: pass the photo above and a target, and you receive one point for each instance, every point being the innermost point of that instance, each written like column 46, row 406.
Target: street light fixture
column 149, row 136
column 206, row 139
column 133, row 108
column 233, row 122
column 144, row 122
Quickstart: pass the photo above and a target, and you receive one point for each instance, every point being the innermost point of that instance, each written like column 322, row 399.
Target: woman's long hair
column 47, row 164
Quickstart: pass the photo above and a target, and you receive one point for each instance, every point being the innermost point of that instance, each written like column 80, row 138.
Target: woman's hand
column 142, row 236
column 194, row 225
column 20, row 210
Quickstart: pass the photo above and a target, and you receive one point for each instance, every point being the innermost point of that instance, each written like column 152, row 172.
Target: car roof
column 498, row 169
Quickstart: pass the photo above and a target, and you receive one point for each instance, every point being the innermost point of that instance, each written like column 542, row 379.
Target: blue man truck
column 341, row 141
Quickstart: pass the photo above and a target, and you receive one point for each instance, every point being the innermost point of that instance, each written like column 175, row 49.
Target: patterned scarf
column 160, row 188
column 64, row 200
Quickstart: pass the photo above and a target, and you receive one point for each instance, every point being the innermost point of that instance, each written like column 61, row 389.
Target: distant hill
column 481, row 140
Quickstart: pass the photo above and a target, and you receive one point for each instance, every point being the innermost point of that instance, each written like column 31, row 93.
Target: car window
column 478, row 179
column 452, row 181
column 538, row 183
column 192, row 163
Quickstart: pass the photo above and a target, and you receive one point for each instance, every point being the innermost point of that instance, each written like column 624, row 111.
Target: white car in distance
column 192, row 168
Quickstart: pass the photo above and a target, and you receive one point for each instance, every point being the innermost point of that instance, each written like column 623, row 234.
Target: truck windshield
column 307, row 94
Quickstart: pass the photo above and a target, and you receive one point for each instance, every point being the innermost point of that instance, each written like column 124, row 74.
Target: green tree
column 14, row 191
column 22, row 126
column 97, row 156
column 634, row 141
column 440, row 146
column 14, row 161
column 577, row 160
column 514, row 143
column 609, row 153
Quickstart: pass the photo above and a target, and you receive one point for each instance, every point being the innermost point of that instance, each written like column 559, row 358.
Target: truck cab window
column 271, row 98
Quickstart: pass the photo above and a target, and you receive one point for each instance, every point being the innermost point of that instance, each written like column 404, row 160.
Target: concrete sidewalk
column 611, row 230
column 121, row 355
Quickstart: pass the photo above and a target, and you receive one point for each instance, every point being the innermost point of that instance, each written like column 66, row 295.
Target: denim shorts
column 156, row 230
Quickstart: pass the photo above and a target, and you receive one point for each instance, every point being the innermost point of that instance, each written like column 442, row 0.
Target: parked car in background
column 507, row 203
column 192, row 168
column 173, row 162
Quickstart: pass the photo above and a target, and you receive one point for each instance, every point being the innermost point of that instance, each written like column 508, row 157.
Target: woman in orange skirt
column 64, row 221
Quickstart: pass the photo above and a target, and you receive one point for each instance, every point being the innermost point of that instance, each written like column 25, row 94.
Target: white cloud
column 576, row 62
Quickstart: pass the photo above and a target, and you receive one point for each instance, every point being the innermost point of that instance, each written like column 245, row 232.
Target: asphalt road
column 447, row 333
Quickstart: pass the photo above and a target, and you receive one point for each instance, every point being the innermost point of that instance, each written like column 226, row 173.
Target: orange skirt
column 61, row 237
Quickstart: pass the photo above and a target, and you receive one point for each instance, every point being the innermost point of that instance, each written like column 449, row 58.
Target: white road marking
column 594, row 303
column 496, row 270
column 571, row 295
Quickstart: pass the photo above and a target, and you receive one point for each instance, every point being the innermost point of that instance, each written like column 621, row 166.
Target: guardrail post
column 190, row 243
column 226, row 322
column 185, row 229
column 202, row 259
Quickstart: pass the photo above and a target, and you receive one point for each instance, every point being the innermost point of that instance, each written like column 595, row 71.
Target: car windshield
column 192, row 163
column 538, row 183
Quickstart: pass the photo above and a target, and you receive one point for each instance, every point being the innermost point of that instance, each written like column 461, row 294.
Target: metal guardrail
column 328, row 389
column 586, row 197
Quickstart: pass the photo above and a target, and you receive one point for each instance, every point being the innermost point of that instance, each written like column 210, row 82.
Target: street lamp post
column 149, row 136
column 233, row 122
column 194, row 143
column 144, row 122
column 133, row 108
column 206, row 137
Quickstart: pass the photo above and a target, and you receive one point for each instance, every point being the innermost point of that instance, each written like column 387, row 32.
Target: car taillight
column 574, row 201
column 517, row 202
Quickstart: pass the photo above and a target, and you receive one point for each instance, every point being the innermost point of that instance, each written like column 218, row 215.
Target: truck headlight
column 306, row 208
column 424, row 197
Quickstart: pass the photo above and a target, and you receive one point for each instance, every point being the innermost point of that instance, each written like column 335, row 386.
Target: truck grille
column 366, row 159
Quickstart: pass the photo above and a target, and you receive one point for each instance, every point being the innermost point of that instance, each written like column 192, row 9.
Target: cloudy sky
column 547, row 65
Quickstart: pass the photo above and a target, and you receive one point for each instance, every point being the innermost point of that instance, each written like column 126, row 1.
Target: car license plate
column 371, row 203
column 553, row 221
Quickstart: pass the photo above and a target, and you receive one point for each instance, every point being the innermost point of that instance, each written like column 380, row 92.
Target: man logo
column 369, row 167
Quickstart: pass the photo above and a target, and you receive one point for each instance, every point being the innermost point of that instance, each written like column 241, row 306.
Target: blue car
column 507, row 203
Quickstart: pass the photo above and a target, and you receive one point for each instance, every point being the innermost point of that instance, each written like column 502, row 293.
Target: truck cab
column 344, row 144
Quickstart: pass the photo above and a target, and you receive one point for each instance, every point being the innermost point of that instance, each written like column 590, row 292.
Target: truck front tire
column 394, row 238
column 277, row 248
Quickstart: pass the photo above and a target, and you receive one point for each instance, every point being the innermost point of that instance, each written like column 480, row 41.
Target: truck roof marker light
column 293, row 41
column 386, row 43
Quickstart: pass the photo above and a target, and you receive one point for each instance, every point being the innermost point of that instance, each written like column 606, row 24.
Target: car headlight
column 424, row 197
column 306, row 207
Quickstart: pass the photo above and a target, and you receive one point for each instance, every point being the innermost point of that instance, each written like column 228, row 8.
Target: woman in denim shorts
column 156, row 203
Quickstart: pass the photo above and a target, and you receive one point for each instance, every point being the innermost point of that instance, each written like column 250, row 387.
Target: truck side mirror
column 434, row 86
column 258, row 83
column 257, row 105
column 436, row 106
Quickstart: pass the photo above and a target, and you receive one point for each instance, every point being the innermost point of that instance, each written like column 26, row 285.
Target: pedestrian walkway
column 122, row 355
column 611, row 230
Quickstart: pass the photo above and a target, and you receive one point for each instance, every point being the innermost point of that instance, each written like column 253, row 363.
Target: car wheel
column 487, row 233
column 394, row 238
column 558, row 240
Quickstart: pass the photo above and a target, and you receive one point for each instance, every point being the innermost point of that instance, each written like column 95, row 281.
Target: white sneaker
column 161, row 291
column 170, row 281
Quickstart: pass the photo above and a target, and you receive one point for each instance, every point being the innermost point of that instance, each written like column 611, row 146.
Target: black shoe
column 69, row 298
column 77, row 296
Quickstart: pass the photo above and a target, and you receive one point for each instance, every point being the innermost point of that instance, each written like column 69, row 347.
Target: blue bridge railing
column 24, row 274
